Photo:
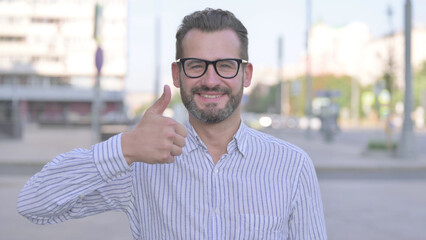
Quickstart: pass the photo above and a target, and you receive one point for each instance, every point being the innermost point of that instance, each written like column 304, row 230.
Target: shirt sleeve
column 79, row 183
column 307, row 219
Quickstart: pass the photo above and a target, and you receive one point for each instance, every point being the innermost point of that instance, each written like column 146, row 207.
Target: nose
column 211, row 78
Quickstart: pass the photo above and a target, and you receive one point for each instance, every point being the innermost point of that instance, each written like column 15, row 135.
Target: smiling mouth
column 211, row 96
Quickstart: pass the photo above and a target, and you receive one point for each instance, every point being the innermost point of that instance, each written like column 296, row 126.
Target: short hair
column 212, row 20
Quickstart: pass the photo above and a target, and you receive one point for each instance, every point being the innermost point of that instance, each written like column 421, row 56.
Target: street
column 375, row 208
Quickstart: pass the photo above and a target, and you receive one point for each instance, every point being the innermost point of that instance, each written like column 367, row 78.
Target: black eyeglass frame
column 239, row 61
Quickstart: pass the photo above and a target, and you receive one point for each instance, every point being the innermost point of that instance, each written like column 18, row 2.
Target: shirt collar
column 193, row 141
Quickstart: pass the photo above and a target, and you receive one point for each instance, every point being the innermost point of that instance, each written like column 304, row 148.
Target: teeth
column 210, row 96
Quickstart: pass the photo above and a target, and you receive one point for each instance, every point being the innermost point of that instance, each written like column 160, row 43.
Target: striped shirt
column 262, row 188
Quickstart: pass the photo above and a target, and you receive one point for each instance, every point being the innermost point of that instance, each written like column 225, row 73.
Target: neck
column 218, row 135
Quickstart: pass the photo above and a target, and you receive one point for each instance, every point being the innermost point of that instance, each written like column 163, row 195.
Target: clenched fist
column 155, row 139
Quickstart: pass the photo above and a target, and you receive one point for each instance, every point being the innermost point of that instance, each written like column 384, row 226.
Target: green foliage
column 341, row 84
column 419, row 86
column 380, row 145
column 262, row 99
column 298, row 101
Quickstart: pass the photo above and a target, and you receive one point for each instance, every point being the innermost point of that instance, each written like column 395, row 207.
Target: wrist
column 125, row 148
column 109, row 159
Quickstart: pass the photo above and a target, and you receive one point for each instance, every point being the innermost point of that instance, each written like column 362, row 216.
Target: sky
column 265, row 20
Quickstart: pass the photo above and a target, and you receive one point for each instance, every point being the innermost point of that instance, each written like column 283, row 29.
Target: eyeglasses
column 225, row 68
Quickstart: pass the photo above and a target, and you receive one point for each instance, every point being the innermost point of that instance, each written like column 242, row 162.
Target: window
column 5, row 38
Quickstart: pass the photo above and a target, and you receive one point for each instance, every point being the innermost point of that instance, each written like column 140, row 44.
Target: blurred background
column 345, row 80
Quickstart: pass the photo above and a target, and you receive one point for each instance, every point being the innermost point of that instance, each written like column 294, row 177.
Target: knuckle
column 166, row 147
column 169, row 134
column 170, row 122
column 164, row 157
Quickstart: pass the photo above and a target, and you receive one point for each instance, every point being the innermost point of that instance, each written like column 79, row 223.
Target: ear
column 248, row 73
column 175, row 74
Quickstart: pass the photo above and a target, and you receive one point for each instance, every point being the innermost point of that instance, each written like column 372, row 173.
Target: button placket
column 216, row 190
column 217, row 211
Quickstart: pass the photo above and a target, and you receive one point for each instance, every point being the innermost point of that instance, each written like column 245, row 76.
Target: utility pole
column 354, row 101
column 99, row 58
column 308, row 71
column 284, row 87
column 281, row 95
column 407, row 147
column 157, row 50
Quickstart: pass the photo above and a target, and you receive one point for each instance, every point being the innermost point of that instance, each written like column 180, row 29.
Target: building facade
column 47, row 61
column 351, row 50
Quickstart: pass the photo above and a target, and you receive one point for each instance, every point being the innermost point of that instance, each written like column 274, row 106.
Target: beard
column 211, row 113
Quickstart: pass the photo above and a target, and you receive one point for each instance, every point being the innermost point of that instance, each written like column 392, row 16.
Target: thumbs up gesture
column 155, row 139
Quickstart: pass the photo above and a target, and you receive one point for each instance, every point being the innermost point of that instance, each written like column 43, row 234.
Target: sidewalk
column 349, row 151
column 39, row 145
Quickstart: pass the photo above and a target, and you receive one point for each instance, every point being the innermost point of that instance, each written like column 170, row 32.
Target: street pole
column 280, row 93
column 157, row 50
column 308, row 72
column 407, row 147
column 284, row 86
column 354, row 101
column 97, row 102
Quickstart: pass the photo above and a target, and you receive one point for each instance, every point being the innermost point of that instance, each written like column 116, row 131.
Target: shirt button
column 216, row 211
column 216, row 170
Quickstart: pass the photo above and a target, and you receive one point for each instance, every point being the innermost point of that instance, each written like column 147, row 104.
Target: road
column 374, row 209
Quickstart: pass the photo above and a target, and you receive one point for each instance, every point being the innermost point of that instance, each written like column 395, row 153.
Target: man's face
column 211, row 98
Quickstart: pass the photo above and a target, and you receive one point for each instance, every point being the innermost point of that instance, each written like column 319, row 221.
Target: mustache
column 198, row 89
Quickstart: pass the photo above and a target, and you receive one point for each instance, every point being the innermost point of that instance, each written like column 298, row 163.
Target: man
column 223, row 181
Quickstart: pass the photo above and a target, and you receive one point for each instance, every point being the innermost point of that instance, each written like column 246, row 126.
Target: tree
column 420, row 86
column 341, row 84
column 262, row 99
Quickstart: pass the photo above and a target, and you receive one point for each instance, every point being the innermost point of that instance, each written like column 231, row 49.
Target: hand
column 155, row 139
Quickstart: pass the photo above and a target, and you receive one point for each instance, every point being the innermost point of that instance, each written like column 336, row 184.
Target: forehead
column 211, row 45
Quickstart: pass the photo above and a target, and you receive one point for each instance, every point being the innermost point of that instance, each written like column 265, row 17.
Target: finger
column 176, row 151
column 179, row 141
column 171, row 159
column 161, row 104
column 181, row 130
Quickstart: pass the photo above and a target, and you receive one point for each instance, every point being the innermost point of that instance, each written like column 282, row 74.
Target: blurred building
column 351, row 50
column 47, row 61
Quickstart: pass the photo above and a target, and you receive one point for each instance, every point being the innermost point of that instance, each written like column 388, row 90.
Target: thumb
column 161, row 104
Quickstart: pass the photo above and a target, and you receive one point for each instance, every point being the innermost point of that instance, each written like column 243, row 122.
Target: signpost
column 406, row 147
column 308, row 71
column 99, row 59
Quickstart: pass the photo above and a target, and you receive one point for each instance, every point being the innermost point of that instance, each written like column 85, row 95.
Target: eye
column 194, row 64
column 228, row 64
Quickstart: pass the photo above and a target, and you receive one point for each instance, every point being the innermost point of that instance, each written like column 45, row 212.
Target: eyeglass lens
column 225, row 68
